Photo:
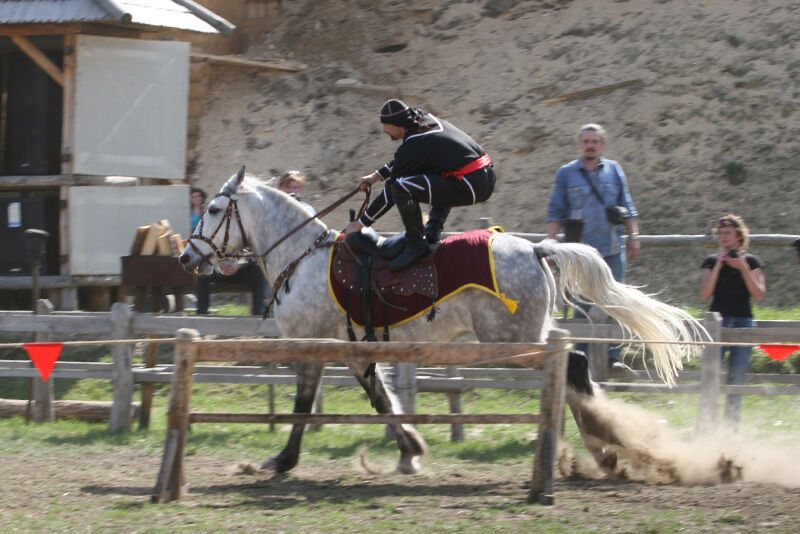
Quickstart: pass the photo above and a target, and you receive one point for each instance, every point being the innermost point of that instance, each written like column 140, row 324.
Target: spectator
column 582, row 190
column 293, row 182
column 733, row 277
column 197, row 206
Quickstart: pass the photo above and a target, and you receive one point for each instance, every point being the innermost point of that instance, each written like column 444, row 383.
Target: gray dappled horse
column 249, row 215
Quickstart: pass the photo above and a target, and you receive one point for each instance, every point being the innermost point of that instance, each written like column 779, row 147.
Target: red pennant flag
column 779, row 352
column 44, row 356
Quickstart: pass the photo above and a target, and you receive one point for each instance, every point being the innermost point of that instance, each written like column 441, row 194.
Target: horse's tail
column 585, row 274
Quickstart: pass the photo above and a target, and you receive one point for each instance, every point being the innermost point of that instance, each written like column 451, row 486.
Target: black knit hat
column 397, row 112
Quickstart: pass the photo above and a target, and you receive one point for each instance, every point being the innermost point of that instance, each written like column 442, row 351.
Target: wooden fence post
column 122, row 371
column 598, row 353
column 456, row 429
column 171, row 484
column 271, row 394
column 551, row 414
column 43, row 390
column 710, row 377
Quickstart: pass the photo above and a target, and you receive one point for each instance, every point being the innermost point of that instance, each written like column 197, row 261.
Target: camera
column 733, row 254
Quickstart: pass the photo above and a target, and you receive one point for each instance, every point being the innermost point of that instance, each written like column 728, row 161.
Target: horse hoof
column 279, row 464
column 409, row 466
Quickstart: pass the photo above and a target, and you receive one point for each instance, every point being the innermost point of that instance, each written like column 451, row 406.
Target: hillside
column 711, row 128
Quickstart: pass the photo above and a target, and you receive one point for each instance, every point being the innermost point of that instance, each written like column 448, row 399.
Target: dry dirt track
column 109, row 492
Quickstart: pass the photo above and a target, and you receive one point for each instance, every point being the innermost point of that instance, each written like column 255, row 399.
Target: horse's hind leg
column 409, row 441
column 308, row 378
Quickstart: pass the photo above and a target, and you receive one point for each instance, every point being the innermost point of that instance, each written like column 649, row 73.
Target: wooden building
column 92, row 104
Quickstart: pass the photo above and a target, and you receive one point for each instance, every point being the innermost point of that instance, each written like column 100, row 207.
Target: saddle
column 370, row 295
column 360, row 265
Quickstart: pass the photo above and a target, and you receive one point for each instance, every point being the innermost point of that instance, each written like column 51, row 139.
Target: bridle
column 232, row 210
column 220, row 252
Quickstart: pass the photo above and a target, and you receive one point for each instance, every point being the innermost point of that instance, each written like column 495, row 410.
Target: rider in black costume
column 437, row 164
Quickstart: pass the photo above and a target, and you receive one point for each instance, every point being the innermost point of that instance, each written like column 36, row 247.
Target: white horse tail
column 587, row 278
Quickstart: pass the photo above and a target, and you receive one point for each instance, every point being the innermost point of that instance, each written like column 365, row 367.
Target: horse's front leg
column 308, row 378
column 409, row 441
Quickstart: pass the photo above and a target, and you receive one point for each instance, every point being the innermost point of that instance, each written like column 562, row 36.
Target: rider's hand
column 365, row 181
column 353, row 226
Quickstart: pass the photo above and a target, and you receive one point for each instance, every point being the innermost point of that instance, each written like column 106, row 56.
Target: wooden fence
column 551, row 356
column 121, row 323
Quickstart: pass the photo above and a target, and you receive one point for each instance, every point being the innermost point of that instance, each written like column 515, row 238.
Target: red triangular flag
column 44, row 356
column 779, row 352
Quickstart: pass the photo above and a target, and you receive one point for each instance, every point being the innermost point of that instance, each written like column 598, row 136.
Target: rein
column 232, row 211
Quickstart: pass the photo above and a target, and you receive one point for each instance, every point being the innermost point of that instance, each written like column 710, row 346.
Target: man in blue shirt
column 574, row 199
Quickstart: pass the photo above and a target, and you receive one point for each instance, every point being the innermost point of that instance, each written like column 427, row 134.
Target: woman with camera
column 733, row 277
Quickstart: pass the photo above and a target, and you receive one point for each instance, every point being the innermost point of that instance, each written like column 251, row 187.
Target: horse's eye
column 213, row 211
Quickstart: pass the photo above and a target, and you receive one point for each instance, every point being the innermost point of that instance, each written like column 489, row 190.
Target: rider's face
column 394, row 132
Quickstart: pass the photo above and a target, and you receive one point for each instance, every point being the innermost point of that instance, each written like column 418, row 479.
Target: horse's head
column 220, row 232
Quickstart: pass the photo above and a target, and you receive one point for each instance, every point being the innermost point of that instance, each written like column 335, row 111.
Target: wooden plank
column 171, row 480
column 122, row 377
column 57, row 324
column 233, row 61
column 365, row 419
column 38, row 57
column 552, row 416
column 334, row 350
column 150, row 360
column 9, row 30
column 584, row 93
column 43, row 390
column 224, row 326
column 650, row 388
column 68, row 105
column 454, row 400
column 710, row 392
column 775, row 334
column 760, row 390
column 57, row 281
column 90, row 411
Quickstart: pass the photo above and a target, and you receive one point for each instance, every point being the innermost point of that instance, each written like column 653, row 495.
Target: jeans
column 618, row 264
column 738, row 364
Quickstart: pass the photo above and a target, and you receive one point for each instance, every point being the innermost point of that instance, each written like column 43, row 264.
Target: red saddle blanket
column 461, row 261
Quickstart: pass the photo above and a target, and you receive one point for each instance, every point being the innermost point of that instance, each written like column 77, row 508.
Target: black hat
column 396, row 112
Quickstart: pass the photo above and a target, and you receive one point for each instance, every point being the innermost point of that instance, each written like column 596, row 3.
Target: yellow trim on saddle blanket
column 511, row 304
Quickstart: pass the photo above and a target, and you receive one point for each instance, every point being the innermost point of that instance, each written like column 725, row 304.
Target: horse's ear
column 240, row 176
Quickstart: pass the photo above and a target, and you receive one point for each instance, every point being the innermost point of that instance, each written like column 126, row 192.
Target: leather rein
column 232, row 211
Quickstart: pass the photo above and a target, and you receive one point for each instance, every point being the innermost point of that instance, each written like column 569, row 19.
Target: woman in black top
column 733, row 277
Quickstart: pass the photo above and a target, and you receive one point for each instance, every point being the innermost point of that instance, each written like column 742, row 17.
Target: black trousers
column 436, row 190
column 249, row 275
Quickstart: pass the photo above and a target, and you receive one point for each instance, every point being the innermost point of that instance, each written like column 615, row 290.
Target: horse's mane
column 260, row 185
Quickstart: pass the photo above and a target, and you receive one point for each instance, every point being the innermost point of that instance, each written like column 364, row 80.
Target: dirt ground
column 110, row 491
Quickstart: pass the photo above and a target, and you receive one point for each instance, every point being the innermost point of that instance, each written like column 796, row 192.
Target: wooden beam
column 334, row 350
column 8, row 30
column 366, row 419
column 39, row 58
column 93, row 411
column 233, row 61
column 68, row 103
column 591, row 92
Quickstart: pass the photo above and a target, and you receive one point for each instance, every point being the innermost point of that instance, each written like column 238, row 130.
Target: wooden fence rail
column 709, row 382
column 552, row 356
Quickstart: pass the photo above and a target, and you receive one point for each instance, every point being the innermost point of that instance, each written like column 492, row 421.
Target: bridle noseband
column 220, row 252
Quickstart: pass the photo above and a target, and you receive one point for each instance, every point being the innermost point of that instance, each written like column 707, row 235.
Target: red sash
column 478, row 164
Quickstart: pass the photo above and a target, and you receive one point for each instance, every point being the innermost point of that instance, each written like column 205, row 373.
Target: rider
column 437, row 164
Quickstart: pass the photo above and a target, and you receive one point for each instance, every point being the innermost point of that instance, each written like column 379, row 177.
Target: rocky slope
column 711, row 127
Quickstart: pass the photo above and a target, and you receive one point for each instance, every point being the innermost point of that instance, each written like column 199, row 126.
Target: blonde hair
column 591, row 127
column 737, row 222
column 291, row 176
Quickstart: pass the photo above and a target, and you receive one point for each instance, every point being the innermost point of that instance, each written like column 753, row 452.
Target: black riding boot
column 416, row 247
column 435, row 224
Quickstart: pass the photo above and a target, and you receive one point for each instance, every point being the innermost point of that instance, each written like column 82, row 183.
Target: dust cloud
column 630, row 443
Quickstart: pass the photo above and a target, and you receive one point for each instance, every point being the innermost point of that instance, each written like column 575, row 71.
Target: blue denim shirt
column 572, row 198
